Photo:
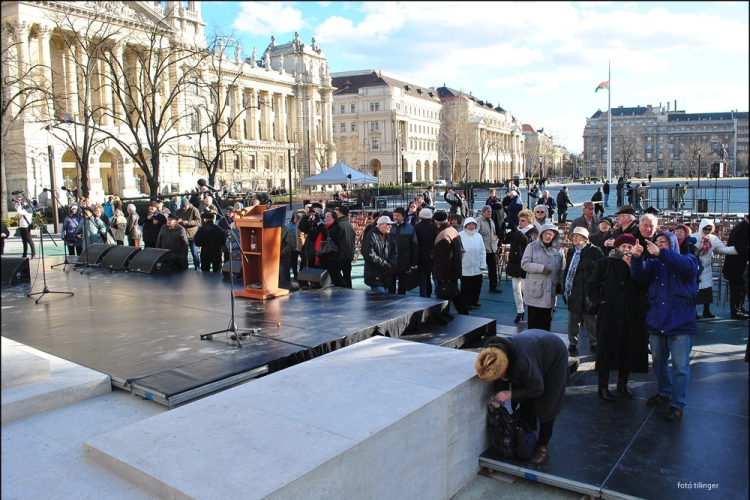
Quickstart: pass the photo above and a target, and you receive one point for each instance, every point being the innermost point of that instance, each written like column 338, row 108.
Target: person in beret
column 620, row 320
column 531, row 370
column 211, row 239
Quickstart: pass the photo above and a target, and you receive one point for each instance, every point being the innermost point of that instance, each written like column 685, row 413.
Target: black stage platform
column 626, row 450
column 144, row 330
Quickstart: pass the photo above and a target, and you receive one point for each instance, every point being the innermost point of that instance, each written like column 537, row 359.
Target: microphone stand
column 87, row 243
column 66, row 263
column 231, row 331
column 42, row 230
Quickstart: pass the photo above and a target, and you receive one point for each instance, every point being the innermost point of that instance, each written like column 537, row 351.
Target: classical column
column 21, row 33
column 281, row 117
column 44, row 33
column 253, row 125
column 118, row 66
column 105, row 93
column 265, row 114
column 71, row 82
column 247, row 102
column 326, row 112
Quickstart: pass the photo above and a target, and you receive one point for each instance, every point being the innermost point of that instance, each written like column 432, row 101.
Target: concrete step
column 457, row 332
column 19, row 367
column 64, row 384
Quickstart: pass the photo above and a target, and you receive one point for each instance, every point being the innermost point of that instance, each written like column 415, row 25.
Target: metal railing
column 718, row 199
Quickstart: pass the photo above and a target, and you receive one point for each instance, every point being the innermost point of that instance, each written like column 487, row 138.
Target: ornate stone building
column 395, row 125
column 663, row 142
column 279, row 103
column 402, row 127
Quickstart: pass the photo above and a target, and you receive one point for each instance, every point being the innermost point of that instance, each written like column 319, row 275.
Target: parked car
column 440, row 183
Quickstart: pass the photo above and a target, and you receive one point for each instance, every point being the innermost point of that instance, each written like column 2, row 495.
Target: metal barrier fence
column 712, row 198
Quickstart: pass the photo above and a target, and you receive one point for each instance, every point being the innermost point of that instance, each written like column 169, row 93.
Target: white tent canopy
column 337, row 174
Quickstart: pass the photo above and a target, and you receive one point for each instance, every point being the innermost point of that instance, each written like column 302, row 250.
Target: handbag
column 446, row 290
column 502, row 430
column 327, row 248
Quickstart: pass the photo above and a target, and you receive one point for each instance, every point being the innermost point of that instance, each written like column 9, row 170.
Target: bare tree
column 627, row 148
column 150, row 73
column 25, row 91
column 350, row 151
column 456, row 136
column 487, row 143
column 695, row 149
column 80, row 112
column 217, row 111
column 742, row 159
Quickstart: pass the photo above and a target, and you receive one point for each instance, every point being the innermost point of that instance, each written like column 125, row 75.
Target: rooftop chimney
column 668, row 103
column 675, row 104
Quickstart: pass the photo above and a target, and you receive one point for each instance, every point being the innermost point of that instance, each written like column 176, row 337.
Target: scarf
column 616, row 254
column 705, row 245
column 572, row 272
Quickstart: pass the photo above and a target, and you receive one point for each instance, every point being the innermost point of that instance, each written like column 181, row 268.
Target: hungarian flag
column 602, row 86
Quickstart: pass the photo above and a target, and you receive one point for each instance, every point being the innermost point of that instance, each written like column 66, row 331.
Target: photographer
column 25, row 227
column 309, row 225
column 152, row 223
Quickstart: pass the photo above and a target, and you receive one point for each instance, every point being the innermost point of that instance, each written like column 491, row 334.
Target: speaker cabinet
column 15, row 270
column 119, row 257
column 93, row 254
column 312, row 276
column 408, row 177
column 151, row 261
column 235, row 265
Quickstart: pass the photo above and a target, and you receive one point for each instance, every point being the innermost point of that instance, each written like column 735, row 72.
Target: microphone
column 20, row 191
column 64, row 188
column 46, row 190
column 203, row 183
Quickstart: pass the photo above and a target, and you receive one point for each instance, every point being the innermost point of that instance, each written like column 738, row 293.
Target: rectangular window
column 374, row 125
column 343, row 109
column 354, row 127
column 374, row 106
column 375, row 143
column 236, row 162
column 353, row 107
column 251, row 162
column 343, row 127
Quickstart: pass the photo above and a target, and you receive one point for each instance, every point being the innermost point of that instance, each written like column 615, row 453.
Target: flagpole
column 609, row 121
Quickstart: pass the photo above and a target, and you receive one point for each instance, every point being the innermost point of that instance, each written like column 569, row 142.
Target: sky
column 542, row 61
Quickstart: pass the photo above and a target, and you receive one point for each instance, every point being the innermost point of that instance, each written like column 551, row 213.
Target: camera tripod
column 42, row 230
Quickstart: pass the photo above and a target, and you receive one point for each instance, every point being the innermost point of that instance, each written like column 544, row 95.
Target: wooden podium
column 260, row 260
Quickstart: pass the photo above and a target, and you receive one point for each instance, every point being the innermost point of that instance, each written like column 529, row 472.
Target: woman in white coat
column 708, row 243
column 473, row 262
column 544, row 263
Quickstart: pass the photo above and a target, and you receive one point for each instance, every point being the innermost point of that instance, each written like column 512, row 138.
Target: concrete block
column 383, row 418
column 19, row 367
column 67, row 383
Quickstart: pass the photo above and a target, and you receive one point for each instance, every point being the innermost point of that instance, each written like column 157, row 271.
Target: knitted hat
column 491, row 364
column 625, row 238
column 425, row 213
column 440, row 216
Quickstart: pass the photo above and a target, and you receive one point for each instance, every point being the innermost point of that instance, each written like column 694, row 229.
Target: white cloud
column 530, row 82
column 268, row 18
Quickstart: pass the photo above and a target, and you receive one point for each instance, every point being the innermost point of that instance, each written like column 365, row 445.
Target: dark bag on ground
column 326, row 248
column 411, row 279
column 502, row 430
column 446, row 290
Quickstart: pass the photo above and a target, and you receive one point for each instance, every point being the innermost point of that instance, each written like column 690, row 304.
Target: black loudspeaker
column 381, row 203
column 367, row 198
column 119, row 257
column 236, row 266
column 150, row 261
column 702, row 205
column 313, row 276
column 93, row 254
column 15, row 270
column 408, row 177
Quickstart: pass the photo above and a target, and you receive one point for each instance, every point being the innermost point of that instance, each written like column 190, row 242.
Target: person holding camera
column 24, row 228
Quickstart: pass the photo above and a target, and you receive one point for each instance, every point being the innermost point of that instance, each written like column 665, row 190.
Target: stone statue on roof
column 238, row 53
column 253, row 59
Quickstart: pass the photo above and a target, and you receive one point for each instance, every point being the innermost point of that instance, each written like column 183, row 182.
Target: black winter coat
column 211, row 239
column 563, row 201
column 426, row 232
column 498, row 215
column 447, row 255
column 621, row 321
column 408, row 250
column 381, row 255
column 589, row 255
column 734, row 265
column 518, row 244
column 348, row 238
column 151, row 230
column 537, row 370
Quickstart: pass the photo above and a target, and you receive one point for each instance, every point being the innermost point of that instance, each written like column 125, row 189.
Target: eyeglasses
column 539, row 212
column 707, row 229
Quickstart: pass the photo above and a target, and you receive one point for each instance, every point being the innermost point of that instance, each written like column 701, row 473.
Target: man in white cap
column 580, row 263
column 380, row 251
column 426, row 232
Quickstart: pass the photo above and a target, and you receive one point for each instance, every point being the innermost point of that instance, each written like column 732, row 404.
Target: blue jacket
column 672, row 287
column 515, row 207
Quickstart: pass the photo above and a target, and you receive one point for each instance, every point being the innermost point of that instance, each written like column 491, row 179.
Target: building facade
column 665, row 143
column 385, row 126
column 278, row 103
column 389, row 127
